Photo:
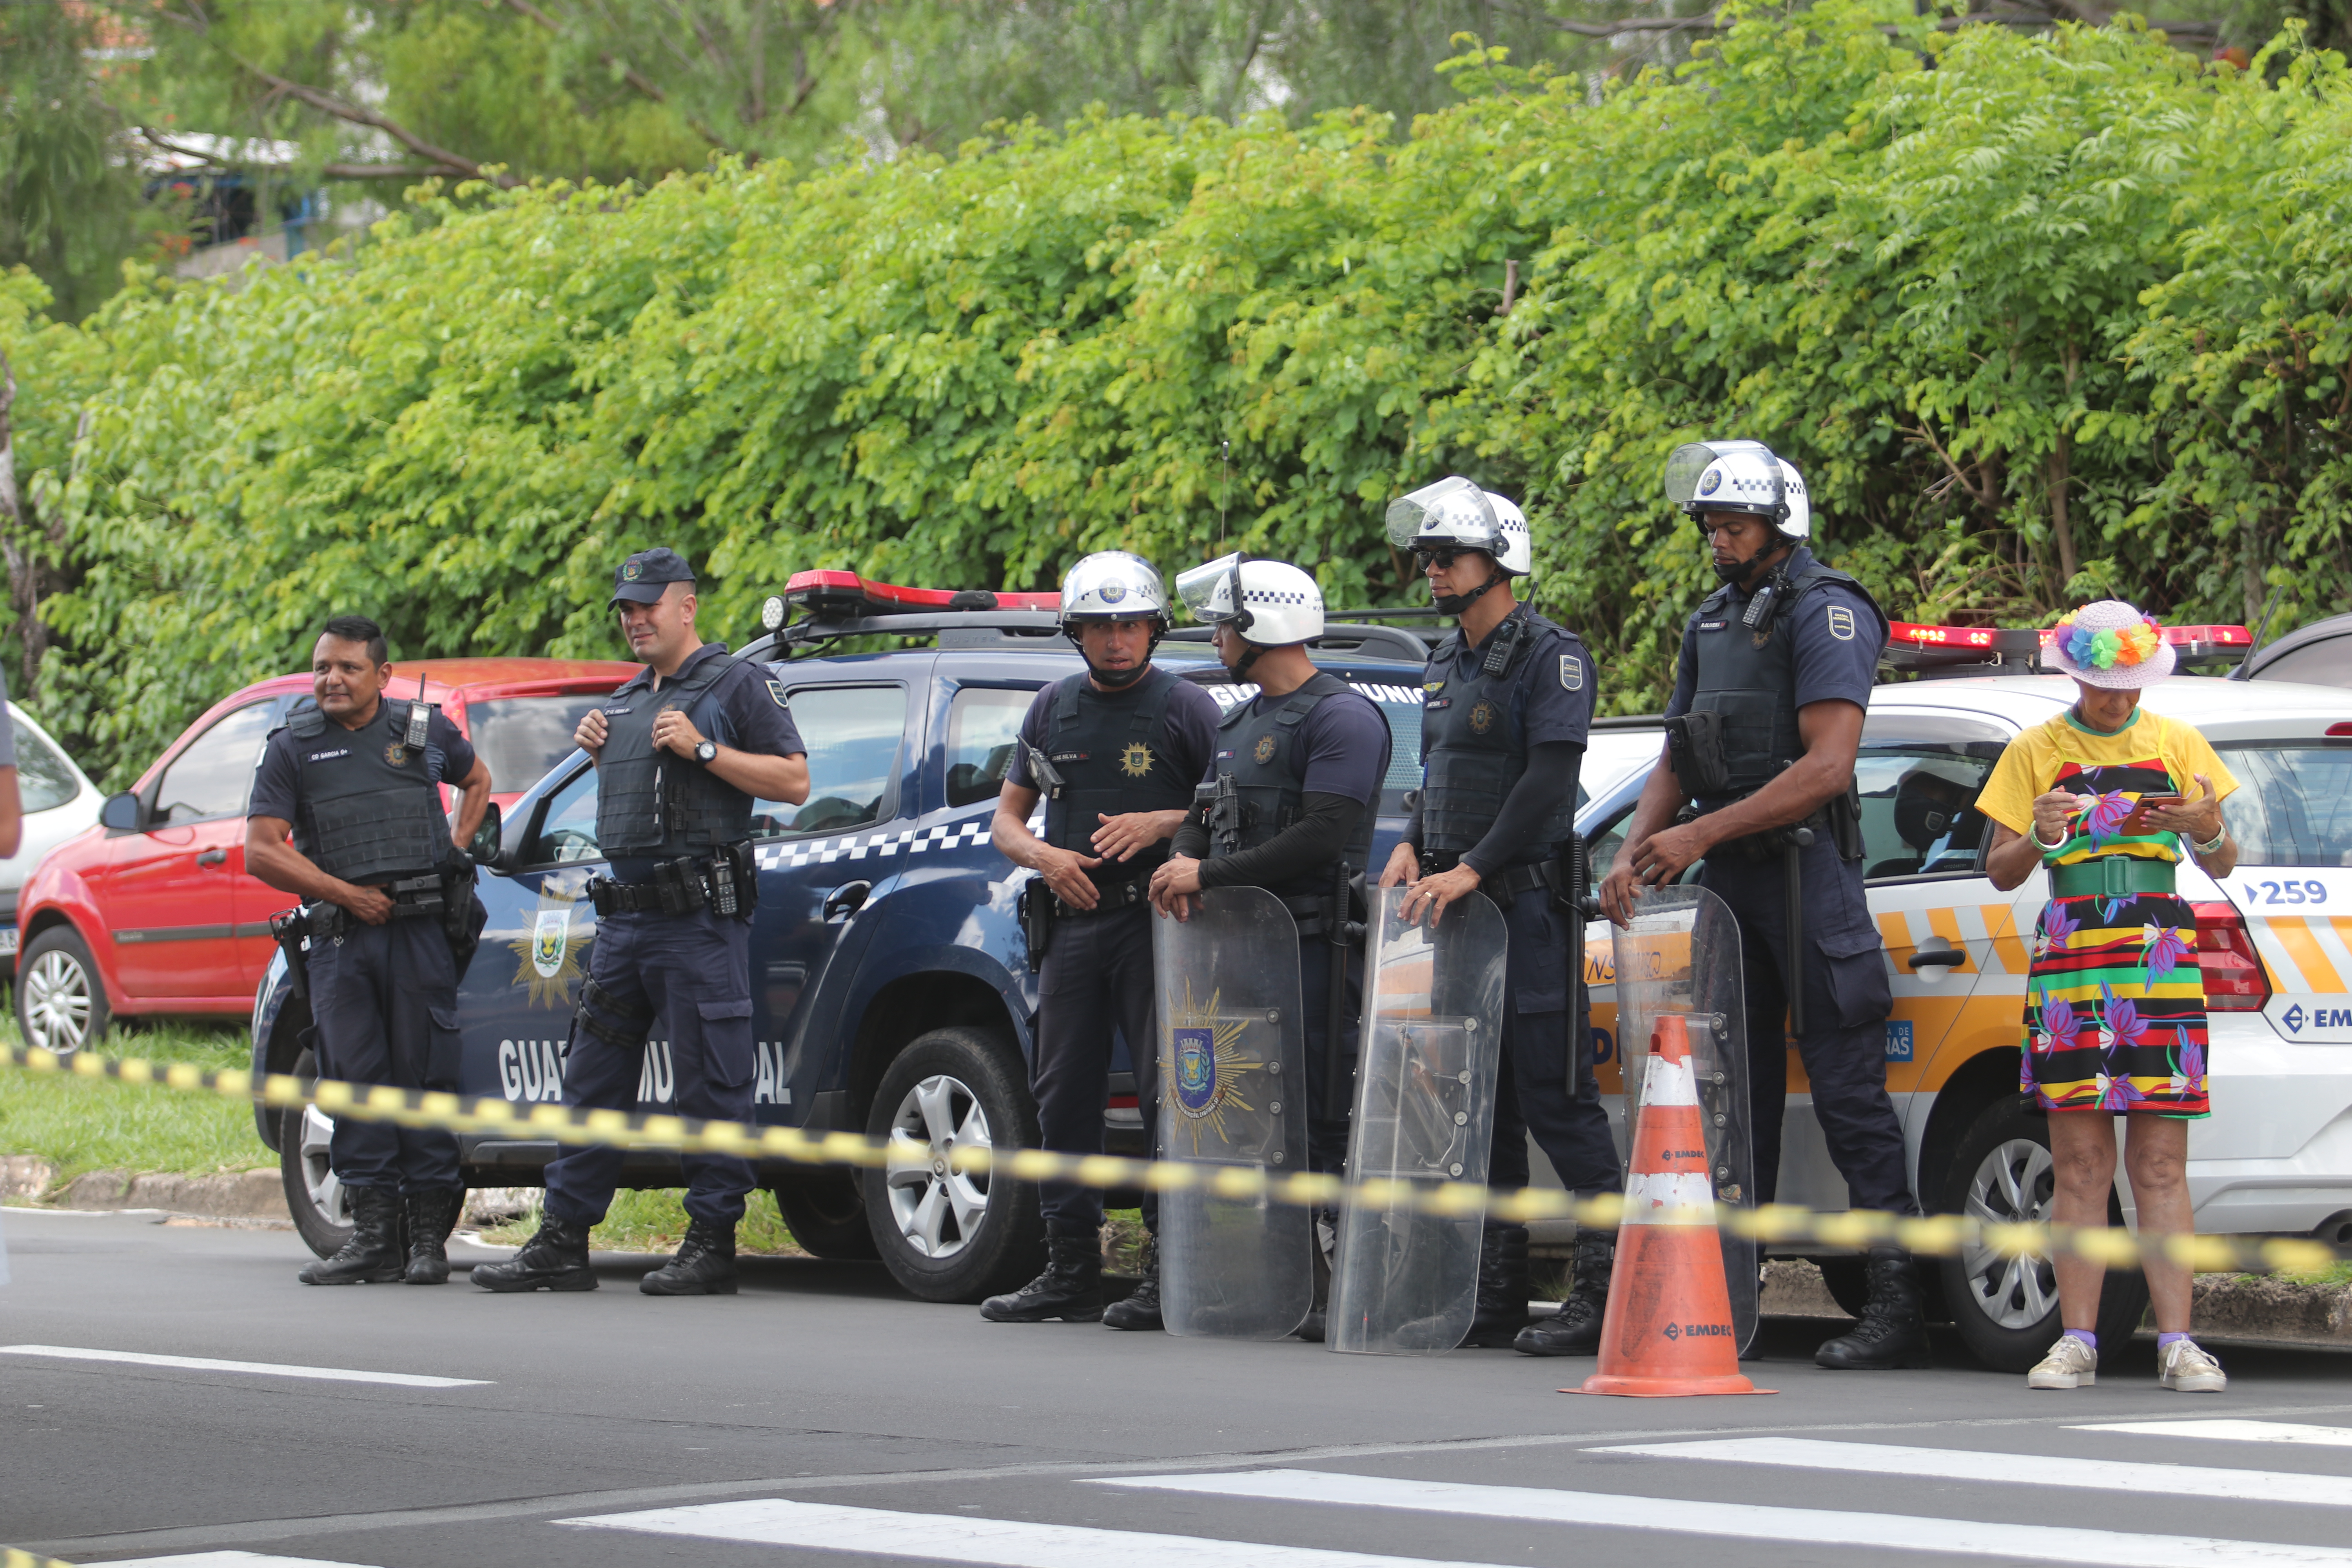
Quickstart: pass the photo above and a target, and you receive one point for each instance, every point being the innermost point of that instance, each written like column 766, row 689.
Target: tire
column 826, row 1211
column 946, row 1235
column 313, row 1196
column 2007, row 1309
column 60, row 1000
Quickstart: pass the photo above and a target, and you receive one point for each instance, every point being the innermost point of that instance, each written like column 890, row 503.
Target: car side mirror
column 483, row 847
column 121, row 814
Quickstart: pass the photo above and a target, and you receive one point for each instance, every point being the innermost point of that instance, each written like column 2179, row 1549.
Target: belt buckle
column 2114, row 875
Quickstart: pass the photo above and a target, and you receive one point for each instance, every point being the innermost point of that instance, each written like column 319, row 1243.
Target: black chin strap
column 1242, row 669
column 1454, row 604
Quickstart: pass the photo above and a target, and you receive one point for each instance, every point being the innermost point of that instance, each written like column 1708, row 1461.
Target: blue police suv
column 891, row 988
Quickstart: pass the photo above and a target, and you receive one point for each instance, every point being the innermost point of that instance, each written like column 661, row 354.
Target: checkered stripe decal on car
column 961, row 834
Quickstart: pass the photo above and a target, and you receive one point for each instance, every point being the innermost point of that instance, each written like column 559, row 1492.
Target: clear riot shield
column 1682, row 956
column 1232, row 1060
column 1407, row 1283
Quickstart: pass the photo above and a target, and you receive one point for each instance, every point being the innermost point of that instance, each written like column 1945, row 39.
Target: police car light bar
column 1912, row 646
column 833, row 596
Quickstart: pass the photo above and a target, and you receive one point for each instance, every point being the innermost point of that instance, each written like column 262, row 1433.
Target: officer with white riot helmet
column 1756, row 778
column 1112, row 753
column 1289, row 804
column 1506, row 706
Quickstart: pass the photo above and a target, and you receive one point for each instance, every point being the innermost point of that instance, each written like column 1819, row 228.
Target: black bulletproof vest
column 1753, row 685
column 371, row 809
column 658, row 803
column 1107, row 753
column 1474, row 745
column 1268, row 765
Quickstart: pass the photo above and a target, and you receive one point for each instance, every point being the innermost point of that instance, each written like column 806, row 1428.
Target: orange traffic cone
column 1667, row 1328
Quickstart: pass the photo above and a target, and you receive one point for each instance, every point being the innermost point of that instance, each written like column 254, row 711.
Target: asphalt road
column 822, row 1418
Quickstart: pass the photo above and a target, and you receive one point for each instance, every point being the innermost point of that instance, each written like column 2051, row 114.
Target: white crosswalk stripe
column 1808, row 1526
column 954, row 1538
column 226, row 1560
column 2008, row 1470
column 2229, row 1431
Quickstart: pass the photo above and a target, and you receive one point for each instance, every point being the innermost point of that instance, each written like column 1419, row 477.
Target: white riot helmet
column 1114, row 585
column 1739, row 476
column 1455, row 515
column 1271, row 603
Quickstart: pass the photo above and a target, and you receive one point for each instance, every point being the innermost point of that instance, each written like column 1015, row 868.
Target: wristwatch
column 707, row 752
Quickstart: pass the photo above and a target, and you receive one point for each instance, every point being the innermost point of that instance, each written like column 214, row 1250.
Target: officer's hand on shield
column 1667, row 854
column 1619, row 889
column 1174, row 885
column 1404, row 868
column 1432, row 894
column 590, row 736
column 372, row 905
column 1120, row 837
column 1065, row 871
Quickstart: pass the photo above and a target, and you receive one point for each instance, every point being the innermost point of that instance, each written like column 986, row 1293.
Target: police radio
column 420, row 717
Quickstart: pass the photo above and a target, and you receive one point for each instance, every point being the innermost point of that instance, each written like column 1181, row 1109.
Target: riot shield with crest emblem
column 1233, row 1057
column 1406, row 1282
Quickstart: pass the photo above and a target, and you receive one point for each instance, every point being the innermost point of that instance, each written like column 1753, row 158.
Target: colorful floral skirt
column 2115, row 1007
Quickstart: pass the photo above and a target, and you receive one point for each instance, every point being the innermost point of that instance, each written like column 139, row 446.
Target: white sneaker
column 2071, row 1364
column 2186, row 1367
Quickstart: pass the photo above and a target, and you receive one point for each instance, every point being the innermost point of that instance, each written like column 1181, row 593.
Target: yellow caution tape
column 1851, row 1229
column 11, row 1557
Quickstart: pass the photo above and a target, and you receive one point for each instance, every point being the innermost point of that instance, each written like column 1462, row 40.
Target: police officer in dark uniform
column 1113, row 752
column 682, row 751
column 1291, row 799
column 1757, row 778
column 1508, row 705
column 355, row 779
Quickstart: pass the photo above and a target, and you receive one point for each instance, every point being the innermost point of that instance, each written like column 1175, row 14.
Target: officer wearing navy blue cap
column 682, row 752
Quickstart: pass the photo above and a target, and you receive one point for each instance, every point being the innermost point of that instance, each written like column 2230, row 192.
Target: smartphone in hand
column 2137, row 824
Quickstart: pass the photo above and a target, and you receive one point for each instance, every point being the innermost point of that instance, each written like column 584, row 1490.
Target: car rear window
column 2293, row 804
column 44, row 782
column 521, row 737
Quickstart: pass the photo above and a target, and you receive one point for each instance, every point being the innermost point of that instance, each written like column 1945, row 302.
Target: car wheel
column 313, row 1196
column 949, row 1235
column 60, row 1001
column 2006, row 1308
column 826, row 1211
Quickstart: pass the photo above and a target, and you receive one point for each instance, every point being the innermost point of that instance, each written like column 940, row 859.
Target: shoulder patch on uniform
column 1841, row 623
column 776, row 691
column 1572, row 672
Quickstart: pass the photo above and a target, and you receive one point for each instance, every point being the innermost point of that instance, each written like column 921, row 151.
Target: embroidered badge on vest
column 1136, row 761
column 1264, row 753
column 396, row 754
column 1481, row 718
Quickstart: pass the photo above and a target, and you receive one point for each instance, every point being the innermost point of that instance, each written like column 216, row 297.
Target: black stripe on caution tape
column 1849, row 1229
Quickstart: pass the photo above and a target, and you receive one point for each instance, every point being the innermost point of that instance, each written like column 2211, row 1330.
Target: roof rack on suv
column 1929, row 651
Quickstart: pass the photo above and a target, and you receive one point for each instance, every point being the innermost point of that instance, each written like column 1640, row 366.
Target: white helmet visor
column 1687, row 464
column 1453, row 511
column 1213, row 592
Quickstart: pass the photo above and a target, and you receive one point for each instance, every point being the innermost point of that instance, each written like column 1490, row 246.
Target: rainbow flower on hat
column 2109, row 642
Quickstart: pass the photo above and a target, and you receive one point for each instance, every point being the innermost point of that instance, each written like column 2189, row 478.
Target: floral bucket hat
column 2109, row 644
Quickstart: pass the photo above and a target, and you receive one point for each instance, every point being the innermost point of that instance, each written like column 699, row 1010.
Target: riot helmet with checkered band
column 1272, row 603
column 1741, row 476
column 1455, row 515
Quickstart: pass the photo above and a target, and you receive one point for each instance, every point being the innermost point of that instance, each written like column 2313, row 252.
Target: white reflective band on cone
column 1669, row 1198
column 1668, row 1082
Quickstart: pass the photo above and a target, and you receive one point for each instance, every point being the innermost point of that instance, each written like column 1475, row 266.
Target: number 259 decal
column 2288, row 892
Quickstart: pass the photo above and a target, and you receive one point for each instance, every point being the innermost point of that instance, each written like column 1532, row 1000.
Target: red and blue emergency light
column 835, row 595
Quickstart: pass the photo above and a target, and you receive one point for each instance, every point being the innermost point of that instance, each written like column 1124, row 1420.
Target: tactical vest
column 1753, row 686
column 1474, row 744
column 370, row 804
column 657, row 803
column 1259, row 746
column 1107, row 753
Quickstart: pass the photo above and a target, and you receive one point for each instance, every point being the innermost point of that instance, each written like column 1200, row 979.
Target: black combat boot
column 1325, row 1237
column 554, row 1259
column 1140, row 1310
column 371, row 1256
column 1070, row 1289
column 432, row 1216
column 1577, row 1330
column 1502, row 1289
column 1893, row 1332
column 705, row 1264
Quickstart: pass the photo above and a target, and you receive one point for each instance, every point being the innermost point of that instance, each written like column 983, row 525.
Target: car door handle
column 1951, row 957
column 847, row 900
column 212, row 858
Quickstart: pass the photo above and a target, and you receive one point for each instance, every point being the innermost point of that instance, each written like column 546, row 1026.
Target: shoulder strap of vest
column 306, row 719
column 1152, row 709
column 1066, row 699
column 1715, row 601
column 1301, row 702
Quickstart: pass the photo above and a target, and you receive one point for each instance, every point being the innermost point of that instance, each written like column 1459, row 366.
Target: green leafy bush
column 2039, row 317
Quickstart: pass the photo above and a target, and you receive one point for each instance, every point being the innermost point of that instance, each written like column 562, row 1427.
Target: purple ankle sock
column 2166, row 1341
column 2086, row 1336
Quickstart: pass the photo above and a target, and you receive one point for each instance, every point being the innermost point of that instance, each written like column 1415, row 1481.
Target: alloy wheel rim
column 936, row 1208
column 2011, row 1185
column 57, row 1003
column 318, row 1178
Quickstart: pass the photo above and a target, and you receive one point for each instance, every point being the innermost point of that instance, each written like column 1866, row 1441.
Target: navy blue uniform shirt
column 1187, row 730
column 1344, row 737
column 1836, row 652
column 278, row 779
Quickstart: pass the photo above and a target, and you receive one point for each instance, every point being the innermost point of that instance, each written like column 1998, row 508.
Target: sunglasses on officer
column 1424, row 558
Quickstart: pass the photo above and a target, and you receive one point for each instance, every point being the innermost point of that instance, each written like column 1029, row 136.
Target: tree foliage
column 2039, row 317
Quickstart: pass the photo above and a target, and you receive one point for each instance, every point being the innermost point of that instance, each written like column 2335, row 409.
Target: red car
column 152, row 911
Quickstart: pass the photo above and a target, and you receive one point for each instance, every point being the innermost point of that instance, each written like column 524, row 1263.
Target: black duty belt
column 413, row 897
column 2111, row 876
column 725, row 882
column 1506, row 884
column 1109, row 897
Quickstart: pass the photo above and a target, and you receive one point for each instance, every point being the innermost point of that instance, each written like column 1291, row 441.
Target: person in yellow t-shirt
column 2107, row 795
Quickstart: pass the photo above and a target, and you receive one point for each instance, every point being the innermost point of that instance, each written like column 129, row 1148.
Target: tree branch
column 629, row 73
column 1709, row 23
column 327, row 103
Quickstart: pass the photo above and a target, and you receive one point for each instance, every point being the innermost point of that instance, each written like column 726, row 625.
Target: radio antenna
column 1224, row 490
